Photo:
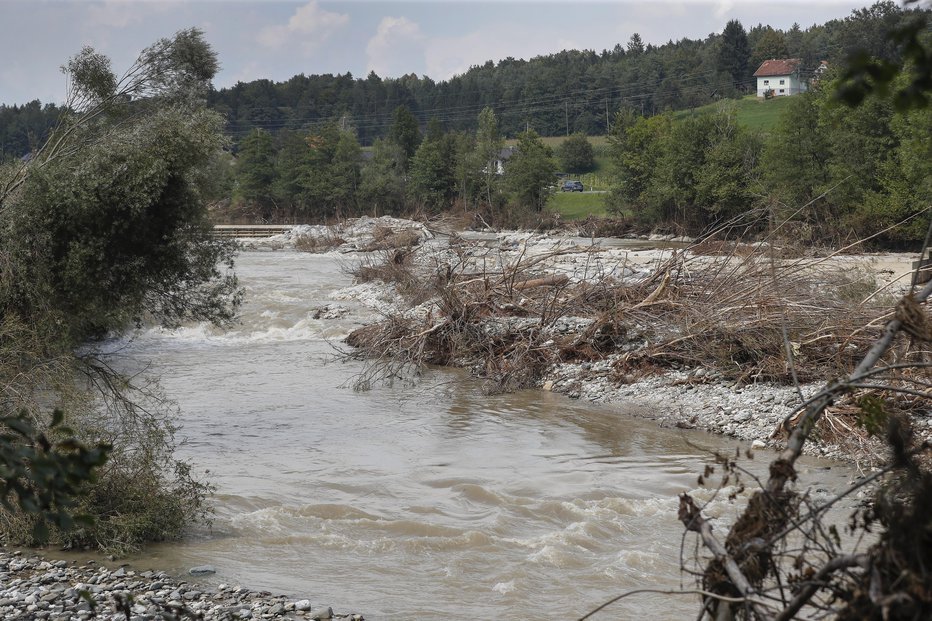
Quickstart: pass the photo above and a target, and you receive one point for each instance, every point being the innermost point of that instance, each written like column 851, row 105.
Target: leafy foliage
column 576, row 154
column 866, row 73
column 105, row 227
column 689, row 173
column 433, row 169
column 43, row 475
column 531, row 172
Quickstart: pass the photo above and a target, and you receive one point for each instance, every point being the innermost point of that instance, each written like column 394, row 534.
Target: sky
column 278, row 39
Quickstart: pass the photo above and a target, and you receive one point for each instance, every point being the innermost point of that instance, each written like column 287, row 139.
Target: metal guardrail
column 250, row 230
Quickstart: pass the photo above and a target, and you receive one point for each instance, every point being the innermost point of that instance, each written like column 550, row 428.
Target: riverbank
column 32, row 587
column 515, row 505
column 693, row 336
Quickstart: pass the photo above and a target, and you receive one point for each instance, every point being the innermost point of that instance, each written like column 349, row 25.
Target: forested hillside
column 322, row 147
column 557, row 94
column 24, row 128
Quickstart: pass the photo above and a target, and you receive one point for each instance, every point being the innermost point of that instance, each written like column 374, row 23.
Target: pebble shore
column 699, row 400
column 34, row 588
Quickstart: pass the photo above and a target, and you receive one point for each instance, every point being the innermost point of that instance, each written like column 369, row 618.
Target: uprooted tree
column 101, row 228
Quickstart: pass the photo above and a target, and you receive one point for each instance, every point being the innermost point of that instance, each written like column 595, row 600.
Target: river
column 428, row 501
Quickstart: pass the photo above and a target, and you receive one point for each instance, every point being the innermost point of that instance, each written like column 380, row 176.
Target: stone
column 302, row 604
column 321, row 614
column 202, row 570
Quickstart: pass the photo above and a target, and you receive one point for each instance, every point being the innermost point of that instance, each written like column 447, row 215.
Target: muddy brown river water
column 431, row 501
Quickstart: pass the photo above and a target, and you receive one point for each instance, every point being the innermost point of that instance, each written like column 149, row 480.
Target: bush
column 106, row 227
column 576, row 155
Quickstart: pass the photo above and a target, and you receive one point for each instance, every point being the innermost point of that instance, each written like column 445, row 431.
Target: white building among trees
column 780, row 78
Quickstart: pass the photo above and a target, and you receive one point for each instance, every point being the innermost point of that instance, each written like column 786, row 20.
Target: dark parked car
column 572, row 186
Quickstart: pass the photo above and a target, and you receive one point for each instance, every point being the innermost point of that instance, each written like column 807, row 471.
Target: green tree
column 904, row 181
column 433, row 172
column 291, row 164
column 636, row 147
column 635, row 45
column 734, row 53
column 343, row 173
column 219, row 177
column 530, row 173
column 874, row 66
column 691, row 172
column 770, row 45
column 794, row 161
column 381, row 183
column 576, row 155
column 255, row 170
column 468, row 168
column 726, row 180
column 489, row 144
column 316, row 181
column 405, row 133
column 103, row 228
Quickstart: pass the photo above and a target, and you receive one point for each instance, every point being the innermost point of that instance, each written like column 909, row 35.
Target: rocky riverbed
column 34, row 588
column 687, row 397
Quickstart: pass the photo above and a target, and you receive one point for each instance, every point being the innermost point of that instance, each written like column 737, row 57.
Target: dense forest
column 557, row 94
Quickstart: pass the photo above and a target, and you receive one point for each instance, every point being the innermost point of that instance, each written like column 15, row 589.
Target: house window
column 782, row 90
column 766, row 81
column 781, row 82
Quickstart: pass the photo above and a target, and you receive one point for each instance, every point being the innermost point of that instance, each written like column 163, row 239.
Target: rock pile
column 38, row 589
column 357, row 235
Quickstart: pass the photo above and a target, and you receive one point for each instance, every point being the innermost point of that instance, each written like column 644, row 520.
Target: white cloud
column 723, row 8
column 396, row 48
column 310, row 26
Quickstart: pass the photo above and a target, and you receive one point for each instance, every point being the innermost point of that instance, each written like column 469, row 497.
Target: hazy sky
column 276, row 40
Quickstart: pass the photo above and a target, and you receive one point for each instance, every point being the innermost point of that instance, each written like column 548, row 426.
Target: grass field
column 752, row 112
column 555, row 141
column 577, row 205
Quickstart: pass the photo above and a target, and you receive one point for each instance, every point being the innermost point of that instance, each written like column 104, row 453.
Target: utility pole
column 566, row 114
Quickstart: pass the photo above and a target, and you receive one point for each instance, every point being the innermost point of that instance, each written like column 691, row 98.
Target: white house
column 503, row 156
column 780, row 78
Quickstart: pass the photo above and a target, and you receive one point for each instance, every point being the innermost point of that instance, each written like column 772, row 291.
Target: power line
column 625, row 92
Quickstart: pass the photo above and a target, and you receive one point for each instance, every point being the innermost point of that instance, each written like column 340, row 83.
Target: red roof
column 783, row 66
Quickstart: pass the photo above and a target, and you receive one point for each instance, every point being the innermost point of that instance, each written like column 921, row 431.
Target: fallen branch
column 691, row 517
column 781, row 469
column 546, row 281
